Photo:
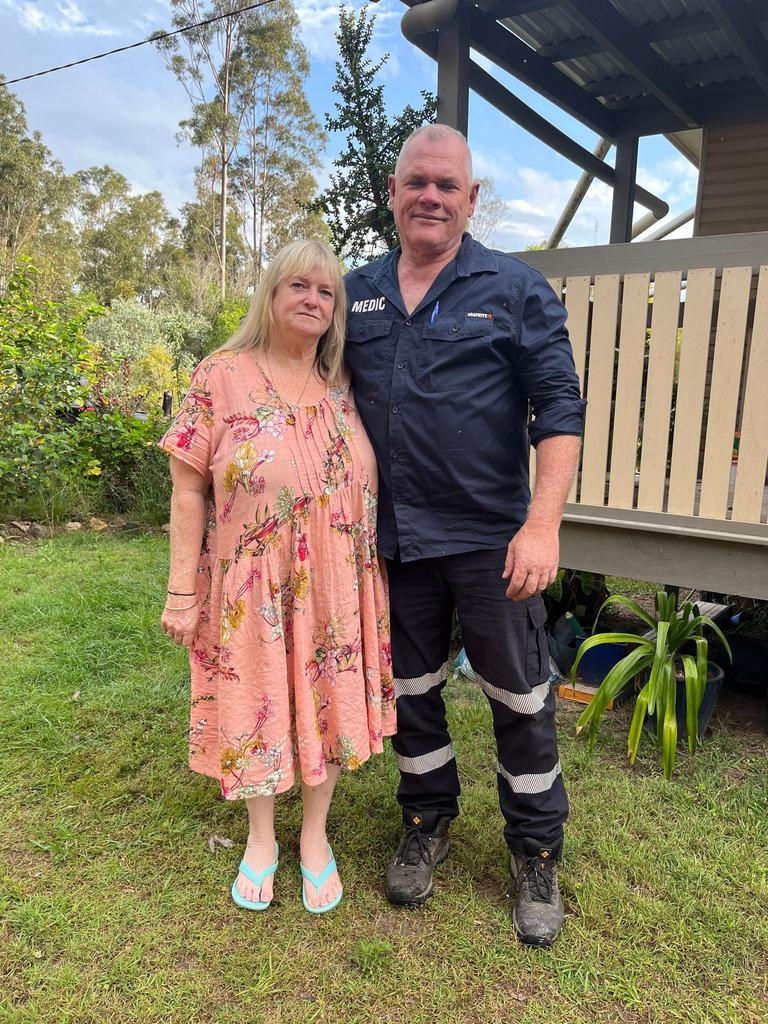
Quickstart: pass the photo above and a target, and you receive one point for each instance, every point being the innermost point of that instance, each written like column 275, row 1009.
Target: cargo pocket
column 537, row 651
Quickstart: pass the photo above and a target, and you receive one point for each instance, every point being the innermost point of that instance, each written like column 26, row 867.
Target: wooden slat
column 724, row 391
column 689, row 403
column 658, row 391
column 600, row 384
column 556, row 284
column 577, row 291
column 753, row 442
column 626, row 417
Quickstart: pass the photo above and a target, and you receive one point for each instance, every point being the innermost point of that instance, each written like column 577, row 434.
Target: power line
column 142, row 42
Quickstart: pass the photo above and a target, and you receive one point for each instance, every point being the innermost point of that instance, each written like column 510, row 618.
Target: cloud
column 62, row 18
column 319, row 21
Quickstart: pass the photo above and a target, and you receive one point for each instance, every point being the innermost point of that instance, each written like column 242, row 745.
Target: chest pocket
column 369, row 351
column 455, row 352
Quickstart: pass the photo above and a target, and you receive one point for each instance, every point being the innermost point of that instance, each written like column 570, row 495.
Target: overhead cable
column 142, row 42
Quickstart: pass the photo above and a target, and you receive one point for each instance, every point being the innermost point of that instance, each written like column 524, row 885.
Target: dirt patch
column 743, row 714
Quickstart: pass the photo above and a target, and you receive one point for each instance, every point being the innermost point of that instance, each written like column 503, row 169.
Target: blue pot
column 715, row 677
column 594, row 666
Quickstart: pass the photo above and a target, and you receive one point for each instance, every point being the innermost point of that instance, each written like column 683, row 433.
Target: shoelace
column 415, row 846
column 537, row 873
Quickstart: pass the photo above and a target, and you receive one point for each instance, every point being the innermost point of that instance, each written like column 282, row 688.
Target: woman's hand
column 181, row 625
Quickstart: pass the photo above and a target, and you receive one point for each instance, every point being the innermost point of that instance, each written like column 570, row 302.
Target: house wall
column 733, row 183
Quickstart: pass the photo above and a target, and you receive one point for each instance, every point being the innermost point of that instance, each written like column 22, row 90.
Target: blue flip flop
column 317, row 881
column 257, row 879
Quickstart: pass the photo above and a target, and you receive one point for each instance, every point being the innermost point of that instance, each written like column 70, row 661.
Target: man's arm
column 533, row 553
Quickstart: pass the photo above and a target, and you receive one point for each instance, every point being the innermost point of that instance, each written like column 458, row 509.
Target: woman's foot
column 259, row 855
column 315, row 856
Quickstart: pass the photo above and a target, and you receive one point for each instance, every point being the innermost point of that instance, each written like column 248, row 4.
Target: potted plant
column 667, row 659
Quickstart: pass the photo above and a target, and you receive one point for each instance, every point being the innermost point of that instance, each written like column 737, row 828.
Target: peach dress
column 291, row 665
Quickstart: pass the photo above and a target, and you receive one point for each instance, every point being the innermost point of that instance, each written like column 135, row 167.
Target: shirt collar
column 472, row 258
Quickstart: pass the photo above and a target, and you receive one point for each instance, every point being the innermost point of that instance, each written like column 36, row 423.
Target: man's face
column 432, row 196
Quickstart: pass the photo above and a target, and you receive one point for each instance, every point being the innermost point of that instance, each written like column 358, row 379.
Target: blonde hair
column 297, row 259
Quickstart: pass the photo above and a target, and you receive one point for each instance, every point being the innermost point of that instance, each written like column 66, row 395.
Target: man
column 448, row 343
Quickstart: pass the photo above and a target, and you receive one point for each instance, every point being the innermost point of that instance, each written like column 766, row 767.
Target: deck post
column 624, row 190
column 453, row 73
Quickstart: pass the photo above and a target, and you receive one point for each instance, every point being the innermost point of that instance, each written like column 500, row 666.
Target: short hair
column 297, row 259
column 436, row 133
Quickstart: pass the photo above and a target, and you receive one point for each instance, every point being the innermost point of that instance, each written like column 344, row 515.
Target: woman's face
column 302, row 306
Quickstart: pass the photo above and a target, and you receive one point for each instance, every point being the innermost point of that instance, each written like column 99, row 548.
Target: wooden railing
column 670, row 341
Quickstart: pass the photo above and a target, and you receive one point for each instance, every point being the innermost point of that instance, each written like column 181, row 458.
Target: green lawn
column 113, row 909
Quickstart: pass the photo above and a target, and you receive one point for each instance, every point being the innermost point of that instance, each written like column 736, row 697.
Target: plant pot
column 715, row 677
column 594, row 666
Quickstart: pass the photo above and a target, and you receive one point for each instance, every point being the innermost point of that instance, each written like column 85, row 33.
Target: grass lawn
column 112, row 908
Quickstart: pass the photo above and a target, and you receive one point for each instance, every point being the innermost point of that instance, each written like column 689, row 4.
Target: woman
column 285, row 610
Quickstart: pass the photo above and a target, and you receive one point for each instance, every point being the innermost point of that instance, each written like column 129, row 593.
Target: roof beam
column 540, row 127
column 619, row 37
column 652, row 32
column 741, row 26
column 513, row 8
column 509, row 52
column 686, row 72
column 718, row 106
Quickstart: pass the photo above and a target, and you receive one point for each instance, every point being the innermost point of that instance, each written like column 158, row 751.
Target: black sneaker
column 538, row 912
column 409, row 875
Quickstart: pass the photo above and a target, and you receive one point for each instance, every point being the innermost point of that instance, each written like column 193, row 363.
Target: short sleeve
column 190, row 436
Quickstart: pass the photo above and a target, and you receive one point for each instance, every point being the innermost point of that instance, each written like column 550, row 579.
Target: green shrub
column 68, row 446
column 227, row 321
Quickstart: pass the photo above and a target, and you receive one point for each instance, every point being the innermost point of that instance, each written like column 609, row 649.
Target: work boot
column 409, row 875
column 538, row 912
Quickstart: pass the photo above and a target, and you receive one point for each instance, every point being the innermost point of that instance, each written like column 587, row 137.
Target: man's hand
column 532, row 560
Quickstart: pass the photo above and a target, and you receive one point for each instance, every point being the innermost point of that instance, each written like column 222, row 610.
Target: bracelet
column 181, row 593
column 184, row 609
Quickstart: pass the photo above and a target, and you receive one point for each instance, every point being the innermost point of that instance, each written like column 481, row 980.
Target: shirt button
column 395, row 409
column 395, row 455
column 408, row 323
column 400, row 366
column 455, row 328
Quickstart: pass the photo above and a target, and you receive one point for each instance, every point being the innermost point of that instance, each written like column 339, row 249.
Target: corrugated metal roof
column 554, row 25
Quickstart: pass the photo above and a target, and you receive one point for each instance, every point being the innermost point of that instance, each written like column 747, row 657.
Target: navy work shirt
column 444, row 394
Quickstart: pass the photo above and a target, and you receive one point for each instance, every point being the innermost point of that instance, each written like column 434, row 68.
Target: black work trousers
column 506, row 645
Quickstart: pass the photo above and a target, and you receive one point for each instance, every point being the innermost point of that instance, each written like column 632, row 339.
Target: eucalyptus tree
column 244, row 75
column 36, row 197
column 205, row 60
column 272, row 178
column 126, row 240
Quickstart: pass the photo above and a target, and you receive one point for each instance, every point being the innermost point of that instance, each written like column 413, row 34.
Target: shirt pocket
column 369, row 352
column 455, row 352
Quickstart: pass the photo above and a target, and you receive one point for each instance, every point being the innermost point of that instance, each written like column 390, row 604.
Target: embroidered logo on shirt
column 368, row 305
column 482, row 316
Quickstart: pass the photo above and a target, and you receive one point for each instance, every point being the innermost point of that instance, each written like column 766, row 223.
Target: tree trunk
column 225, row 157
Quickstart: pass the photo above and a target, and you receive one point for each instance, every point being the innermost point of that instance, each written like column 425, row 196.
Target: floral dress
column 291, row 664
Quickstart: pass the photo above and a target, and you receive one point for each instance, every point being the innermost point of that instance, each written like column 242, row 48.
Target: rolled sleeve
column 545, row 363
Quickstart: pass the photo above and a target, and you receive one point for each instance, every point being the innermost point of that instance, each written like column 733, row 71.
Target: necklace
column 288, row 405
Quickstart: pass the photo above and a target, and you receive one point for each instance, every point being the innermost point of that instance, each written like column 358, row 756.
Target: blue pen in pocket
column 435, row 311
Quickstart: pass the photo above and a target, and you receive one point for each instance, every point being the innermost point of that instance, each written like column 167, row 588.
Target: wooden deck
column 670, row 341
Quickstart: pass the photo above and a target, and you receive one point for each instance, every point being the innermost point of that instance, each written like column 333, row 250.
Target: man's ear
column 473, row 194
column 390, row 190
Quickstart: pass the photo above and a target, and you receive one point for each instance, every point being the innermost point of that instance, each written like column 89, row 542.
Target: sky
column 125, row 110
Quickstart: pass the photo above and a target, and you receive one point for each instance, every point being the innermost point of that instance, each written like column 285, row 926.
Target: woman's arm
column 188, row 504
